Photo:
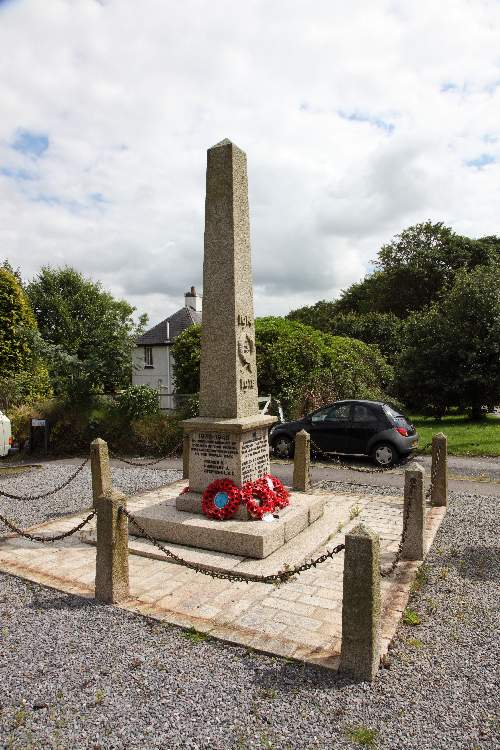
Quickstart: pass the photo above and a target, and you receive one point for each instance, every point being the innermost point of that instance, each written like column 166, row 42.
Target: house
column 153, row 361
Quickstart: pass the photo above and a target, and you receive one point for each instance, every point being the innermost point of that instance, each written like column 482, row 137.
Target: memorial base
column 236, row 449
column 254, row 539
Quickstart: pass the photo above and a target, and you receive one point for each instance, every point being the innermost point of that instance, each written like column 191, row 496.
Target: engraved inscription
column 216, row 451
column 254, row 456
column 245, row 321
column 246, row 384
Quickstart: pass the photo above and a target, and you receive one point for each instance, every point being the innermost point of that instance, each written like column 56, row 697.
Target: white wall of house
column 160, row 374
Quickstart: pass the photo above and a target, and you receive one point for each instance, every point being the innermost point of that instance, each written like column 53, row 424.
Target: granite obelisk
column 229, row 438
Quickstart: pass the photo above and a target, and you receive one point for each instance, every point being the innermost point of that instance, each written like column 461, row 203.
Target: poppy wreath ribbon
column 263, row 496
column 282, row 496
column 221, row 499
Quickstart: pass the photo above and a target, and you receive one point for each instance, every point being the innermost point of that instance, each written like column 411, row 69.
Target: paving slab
column 300, row 619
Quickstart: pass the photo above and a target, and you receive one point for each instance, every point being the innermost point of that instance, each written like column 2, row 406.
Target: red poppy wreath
column 276, row 485
column 264, row 496
column 221, row 499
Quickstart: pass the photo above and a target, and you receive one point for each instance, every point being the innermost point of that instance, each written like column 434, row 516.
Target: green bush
column 300, row 366
column 157, row 435
column 138, row 401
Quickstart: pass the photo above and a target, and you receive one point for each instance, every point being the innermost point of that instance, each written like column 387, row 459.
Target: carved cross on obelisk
column 229, row 438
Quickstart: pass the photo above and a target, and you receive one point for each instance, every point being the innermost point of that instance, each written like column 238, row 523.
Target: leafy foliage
column 138, row 401
column 16, row 320
column 23, row 377
column 87, row 333
column 298, row 365
column 452, row 356
column 385, row 330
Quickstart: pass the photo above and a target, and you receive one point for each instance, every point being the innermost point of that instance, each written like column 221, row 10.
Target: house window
column 148, row 356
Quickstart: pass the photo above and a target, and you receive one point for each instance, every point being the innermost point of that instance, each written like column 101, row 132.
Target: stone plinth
column 236, row 449
column 256, row 539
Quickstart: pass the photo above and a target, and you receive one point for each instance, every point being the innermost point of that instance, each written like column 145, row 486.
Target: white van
column 5, row 435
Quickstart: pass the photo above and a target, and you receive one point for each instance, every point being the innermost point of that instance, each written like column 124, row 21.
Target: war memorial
column 300, row 572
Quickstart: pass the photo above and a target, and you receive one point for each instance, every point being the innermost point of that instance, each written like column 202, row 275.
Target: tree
column 452, row 356
column 385, row 330
column 16, row 321
column 296, row 364
column 23, row 376
column 89, row 335
column 412, row 271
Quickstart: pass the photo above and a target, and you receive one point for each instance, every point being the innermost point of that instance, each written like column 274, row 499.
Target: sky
column 358, row 119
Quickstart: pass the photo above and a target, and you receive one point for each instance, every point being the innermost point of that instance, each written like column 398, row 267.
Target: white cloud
column 358, row 119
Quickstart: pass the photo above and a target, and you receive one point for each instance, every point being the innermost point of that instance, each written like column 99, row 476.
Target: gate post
column 414, row 514
column 439, row 470
column 111, row 570
column 99, row 465
column 302, row 462
column 360, row 650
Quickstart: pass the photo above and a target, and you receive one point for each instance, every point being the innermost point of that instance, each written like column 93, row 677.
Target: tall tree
column 16, row 323
column 452, row 356
column 23, row 376
column 89, row 333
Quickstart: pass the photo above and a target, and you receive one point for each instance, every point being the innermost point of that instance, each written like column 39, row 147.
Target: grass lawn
column 465, row 437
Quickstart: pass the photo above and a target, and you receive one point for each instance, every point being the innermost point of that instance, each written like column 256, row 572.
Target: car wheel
column 384, row 455
column 283, row 447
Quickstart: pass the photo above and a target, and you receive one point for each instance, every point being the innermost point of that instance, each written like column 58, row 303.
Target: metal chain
column 281, row 577
column 50, row 492
column 434, row 470
column 146, row 463
column 399, row 552
column 337, row 460
column 46, row 539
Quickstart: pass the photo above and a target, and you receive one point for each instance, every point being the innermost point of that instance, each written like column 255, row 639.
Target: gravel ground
column 76, row 674
column 77, row 496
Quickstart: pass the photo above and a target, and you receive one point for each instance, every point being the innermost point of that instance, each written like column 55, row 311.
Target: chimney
column 193, row 300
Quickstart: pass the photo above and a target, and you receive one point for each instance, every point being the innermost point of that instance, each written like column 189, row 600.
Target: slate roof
column 179, row 321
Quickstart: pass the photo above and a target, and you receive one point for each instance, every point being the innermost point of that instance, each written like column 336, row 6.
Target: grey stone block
column 111, row 570
column 414, row 514
column 301, row 462
column 439, row 470
column 360, row 650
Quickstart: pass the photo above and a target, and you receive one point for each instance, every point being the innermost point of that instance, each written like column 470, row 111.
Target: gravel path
column 77, row 496
column 80, row 675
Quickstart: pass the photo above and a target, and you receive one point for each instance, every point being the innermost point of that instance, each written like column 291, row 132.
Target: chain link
column 434, row 470
column 399, row 552
column 139, row 464
column 50, row 492
column 46, row 539
column 343, row 465
column 281, row 577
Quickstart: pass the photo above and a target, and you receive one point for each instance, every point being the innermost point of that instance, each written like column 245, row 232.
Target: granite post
column 414, row 514
column 99, row 465
column 360, row 650
column 439, row 470
column 229, row 439
column 302, row 462
column 111, row 570
column 185, row 456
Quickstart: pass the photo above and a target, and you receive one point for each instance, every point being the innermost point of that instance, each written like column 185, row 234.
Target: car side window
column 320, row 416
column 337, row 413
column 362, row 413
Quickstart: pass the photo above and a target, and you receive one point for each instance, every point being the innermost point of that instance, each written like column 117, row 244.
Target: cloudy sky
column 358, row 118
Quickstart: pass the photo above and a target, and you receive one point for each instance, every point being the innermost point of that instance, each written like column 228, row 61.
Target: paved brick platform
column 300, row 619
